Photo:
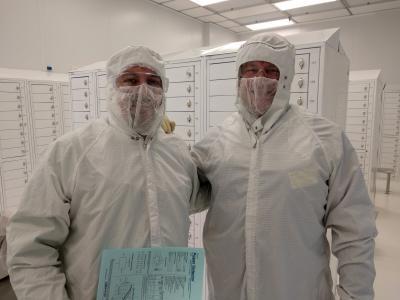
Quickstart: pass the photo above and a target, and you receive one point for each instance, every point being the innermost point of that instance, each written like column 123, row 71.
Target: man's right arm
column 37, row 231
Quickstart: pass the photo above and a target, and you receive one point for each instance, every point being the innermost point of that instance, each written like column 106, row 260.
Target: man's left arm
column 351, row 216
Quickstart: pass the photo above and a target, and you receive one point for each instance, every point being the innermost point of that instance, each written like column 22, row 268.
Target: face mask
column 257, row 93
column 142, row 107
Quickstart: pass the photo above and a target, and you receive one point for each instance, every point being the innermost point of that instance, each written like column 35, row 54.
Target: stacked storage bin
column 31, row 117
column 363, row 123
column 391, row 123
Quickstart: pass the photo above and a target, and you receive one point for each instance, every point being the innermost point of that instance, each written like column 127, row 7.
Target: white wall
column 71, row 33
column 370, row 41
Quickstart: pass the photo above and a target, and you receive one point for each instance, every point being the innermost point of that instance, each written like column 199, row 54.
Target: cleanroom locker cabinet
column 364, row 119
column 32, row 116
column 391, row 123
column 319, row 85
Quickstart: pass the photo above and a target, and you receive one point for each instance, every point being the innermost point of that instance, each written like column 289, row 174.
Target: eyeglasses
column 251, row 71
column 138, row 78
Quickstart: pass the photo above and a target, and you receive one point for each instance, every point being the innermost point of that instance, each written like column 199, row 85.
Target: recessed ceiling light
column 207, row 2
column 291, row 4
column 271, row 24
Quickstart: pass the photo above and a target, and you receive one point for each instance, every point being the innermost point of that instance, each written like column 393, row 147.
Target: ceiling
column 235, row 14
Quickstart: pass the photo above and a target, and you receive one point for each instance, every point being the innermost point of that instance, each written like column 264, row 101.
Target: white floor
column 387, row 248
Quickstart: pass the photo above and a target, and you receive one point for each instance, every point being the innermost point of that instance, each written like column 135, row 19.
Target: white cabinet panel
column 182, row 118
column 80, row 117
column 10, row 87
column 44, row 115
column 37, row 98
column 180, row 89
column 78, row 106
column 299, row 99
column 10, row 134
column 7, row 125
column 103, row 105
column 79, row 82
column 180, row 74
column 51, row 131
column 45, row 123
column 101, row 93
column 357, row 113
column 222, row 70
column 226, row 87
column 180, row 104
column 358, row 88
column 43, row 106
column 102, row 80
column 223, row 103
column 299, row 83
column 302, row 62
column 357, row 104
column 185, row 132
column 10, row 115
column 4, row 96
column 81, row 94
column 357, row 96
column 42, row 88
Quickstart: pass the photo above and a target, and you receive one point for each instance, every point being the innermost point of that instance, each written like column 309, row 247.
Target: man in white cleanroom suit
column 279, row 177
column 115, row 183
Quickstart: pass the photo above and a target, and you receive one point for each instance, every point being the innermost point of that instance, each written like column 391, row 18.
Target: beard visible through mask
column 257, row 94
column 140, row 106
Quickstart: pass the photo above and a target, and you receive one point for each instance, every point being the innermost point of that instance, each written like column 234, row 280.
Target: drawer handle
column 52, row 98
column 301, row 63
column 19, row 106
column 19, row 116
column 17, row 87
column 189, row 104
column 364, row 113
column 54, row 123
column 51, row 89
column 300, row 82
column 300, row 101
column 188, row 74
column 189, row 133
column 53, row 115
column 21, row 133
column 365, row 96
column 19, row 97
column 52, row 107
column 365, row 88
column 85, row 82
column 86, row 105
column 87, row 117
column 189, row 119
column 22, row 142
column 189, row 147
column 363, row 121
column 189, row 89
column 85, row 94
column 365, row 105
column 54, row 131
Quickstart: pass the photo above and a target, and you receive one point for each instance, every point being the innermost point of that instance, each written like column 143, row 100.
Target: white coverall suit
column 101, row 186
column 275, row 185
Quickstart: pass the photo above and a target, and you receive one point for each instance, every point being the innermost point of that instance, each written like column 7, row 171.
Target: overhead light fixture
column 291, row 4
column 207, row 2
column 271, row 24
